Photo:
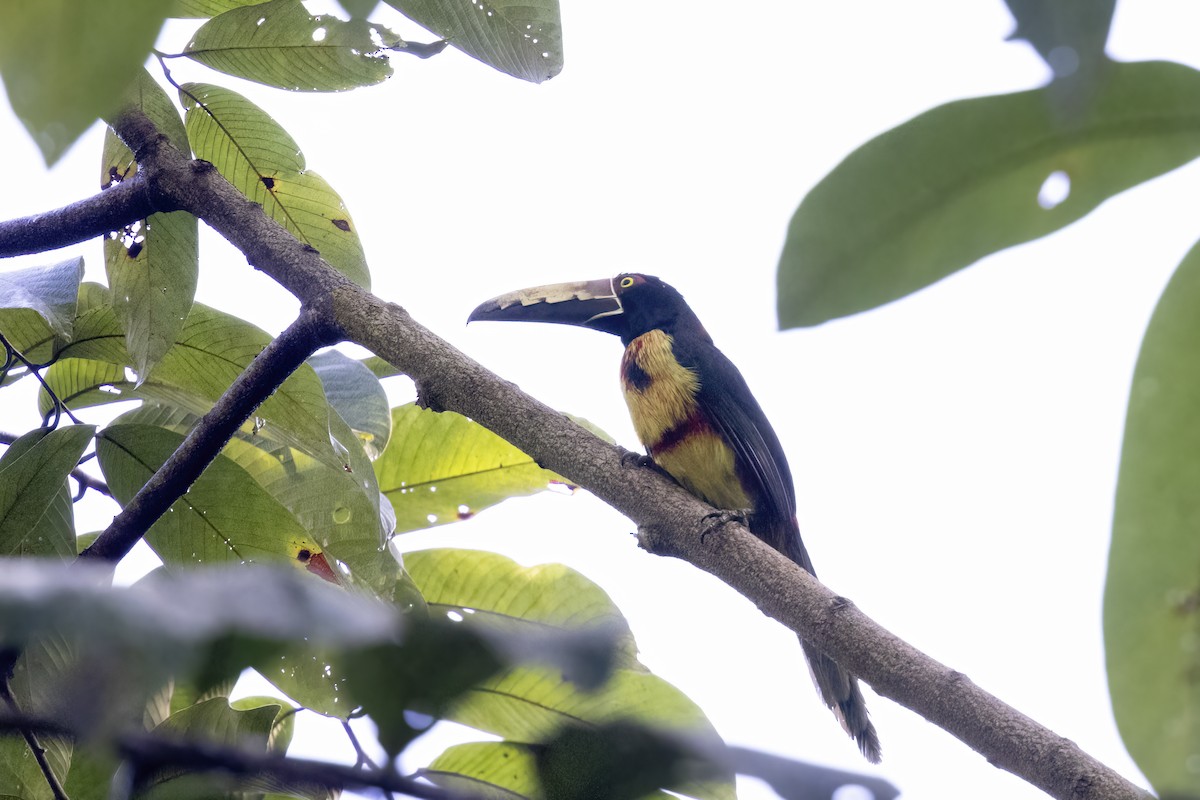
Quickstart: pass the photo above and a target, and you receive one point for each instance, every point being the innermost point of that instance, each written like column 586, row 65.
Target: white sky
column 955, row 453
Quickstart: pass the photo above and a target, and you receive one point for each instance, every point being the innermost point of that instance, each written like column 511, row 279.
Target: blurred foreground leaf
column 957, row 183
column 1152, row 596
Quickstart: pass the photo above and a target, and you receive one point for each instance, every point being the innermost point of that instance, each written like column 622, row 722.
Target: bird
column 699, row 422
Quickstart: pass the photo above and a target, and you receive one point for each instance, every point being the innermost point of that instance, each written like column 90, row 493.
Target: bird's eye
column 627, row 281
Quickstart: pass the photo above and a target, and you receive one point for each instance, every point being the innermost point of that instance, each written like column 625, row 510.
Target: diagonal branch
column 670, row 519
column 266, row 372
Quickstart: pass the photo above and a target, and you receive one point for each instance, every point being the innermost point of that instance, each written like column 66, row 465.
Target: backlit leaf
column 1152, row 595
column 258, row 157
column 954, row 184
column 522, row 38
column 280, row 44
column 441, row 467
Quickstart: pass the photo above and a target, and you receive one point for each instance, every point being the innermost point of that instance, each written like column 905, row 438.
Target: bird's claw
column 720, row 519
column 631, row 459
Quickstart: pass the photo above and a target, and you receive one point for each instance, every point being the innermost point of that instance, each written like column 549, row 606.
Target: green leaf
column 257, row 156
column 356, row 394
column 284, row 724
column 151, row 264
column 203, row 9
column 224, row 517
column 530, row 704
column 39, row 303
column 533, row 705
column 522, row 38
column 1152, row 595
column 502, row 593
column 962, row 181
column 91, row 774
column 214, row 722
column 332, row 505
column 52, row 292
column 490, row 770
column 280, row 44
column 65, row 63
column 436, row 663
column 442, row 467
column 211, row 351
column 80, row 383
column 629, row 761
column 33, row 474
column 380, row 368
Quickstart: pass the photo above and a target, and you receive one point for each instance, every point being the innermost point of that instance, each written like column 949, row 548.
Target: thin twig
column 31, row 741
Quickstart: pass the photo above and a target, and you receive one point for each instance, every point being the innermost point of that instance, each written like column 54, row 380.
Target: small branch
column 100, row 214
column 150, row 752
column 29, row 734
column 362, row 759
column 262, row 377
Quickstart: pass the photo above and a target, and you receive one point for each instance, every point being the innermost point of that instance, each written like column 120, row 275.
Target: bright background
column 955, row 453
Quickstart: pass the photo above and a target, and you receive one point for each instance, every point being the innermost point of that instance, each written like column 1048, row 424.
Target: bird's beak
column 589, row 304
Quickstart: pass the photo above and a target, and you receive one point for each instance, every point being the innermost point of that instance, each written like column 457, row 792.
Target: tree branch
column 671, row 520
column 264, row 375
column 110, row 210
column 152, row 752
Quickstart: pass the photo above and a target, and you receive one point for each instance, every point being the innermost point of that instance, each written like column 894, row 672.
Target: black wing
column 730, row 407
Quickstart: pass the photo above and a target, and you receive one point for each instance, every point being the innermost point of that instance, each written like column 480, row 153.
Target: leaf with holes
column 33, row 475
column 961, row 181
column 522, row 38
column 441, row 467
column 1152, row 594
column 151, row 264
column 500, row 592
column 257, row 156
column 280, row 44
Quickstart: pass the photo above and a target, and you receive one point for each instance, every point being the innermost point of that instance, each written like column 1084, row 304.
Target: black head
column 627, row 306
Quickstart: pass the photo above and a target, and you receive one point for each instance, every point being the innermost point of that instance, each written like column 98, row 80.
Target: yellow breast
column 661, row 395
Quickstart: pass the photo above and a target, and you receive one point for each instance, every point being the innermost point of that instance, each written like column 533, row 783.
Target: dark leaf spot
column 304, row 555
column 134, row 250
column 268, row 182
column 341, row 225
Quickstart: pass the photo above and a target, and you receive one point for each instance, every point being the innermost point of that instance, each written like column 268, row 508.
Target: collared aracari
column 695, row 415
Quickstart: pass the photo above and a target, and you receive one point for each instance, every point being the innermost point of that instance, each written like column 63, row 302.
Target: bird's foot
column 642, row 461
column 719, row 519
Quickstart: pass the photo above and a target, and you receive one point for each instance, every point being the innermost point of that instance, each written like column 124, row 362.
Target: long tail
column 839, row 689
